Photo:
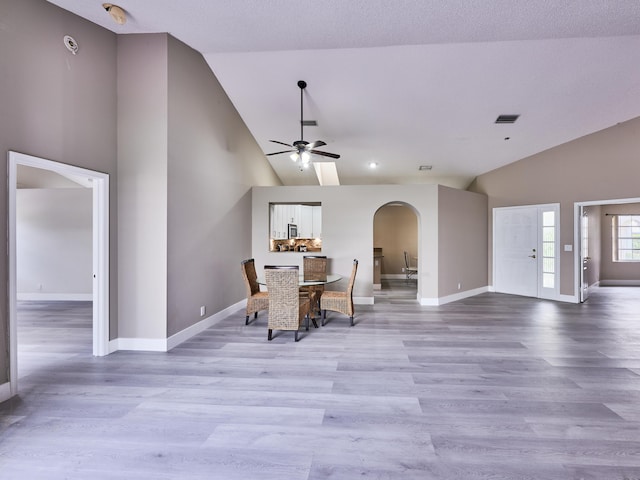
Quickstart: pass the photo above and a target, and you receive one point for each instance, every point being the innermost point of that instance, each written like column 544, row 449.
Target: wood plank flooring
column 492, row 387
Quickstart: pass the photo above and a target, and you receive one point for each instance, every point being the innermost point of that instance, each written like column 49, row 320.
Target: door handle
column 532, row 256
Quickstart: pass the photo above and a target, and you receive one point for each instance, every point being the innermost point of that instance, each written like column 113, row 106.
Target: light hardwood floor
column 492, row 387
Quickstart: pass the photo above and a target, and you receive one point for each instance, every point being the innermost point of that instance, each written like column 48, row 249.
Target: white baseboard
column 202, row 325
column 55, row 297
column 5, row 392
column 166, row 344
column 432, row 302
column 363, row 300
column 142, row 344
column 620, row 283
column 393, row 276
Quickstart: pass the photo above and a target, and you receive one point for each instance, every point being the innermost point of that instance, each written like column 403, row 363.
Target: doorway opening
column 395, row 231
column 99, row 184
column 601, row 235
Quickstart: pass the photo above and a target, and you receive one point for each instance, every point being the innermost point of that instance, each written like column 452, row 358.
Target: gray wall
column 54, row 243
column 142, row 185
column 57, row 106
column 600, row 166
column 347, row 231
column 462, row 240
column 213, row 162
column 186, row 166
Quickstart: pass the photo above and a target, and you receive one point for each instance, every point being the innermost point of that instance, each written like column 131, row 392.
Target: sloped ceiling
column 406, row 83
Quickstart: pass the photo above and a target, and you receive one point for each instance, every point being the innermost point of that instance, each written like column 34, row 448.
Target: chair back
column 284, row 301
column 352, row 279
column 406, row 260
column 250, row 277
column 314, row 267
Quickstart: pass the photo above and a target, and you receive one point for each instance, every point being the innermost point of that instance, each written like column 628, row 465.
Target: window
column 626, row 238
column 549, row 249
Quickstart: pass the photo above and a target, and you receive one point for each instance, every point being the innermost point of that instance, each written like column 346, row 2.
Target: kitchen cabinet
column 308, row 219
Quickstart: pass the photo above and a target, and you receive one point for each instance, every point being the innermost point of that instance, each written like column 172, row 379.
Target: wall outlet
column 459, row 286
column 203, row 310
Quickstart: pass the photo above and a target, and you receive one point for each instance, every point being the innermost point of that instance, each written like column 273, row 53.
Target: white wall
column 54, row 244
column 347, row 230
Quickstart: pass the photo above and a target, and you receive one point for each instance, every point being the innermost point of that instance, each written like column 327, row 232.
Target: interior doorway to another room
column 607, row 238
column 58, row 246
column 395, row 231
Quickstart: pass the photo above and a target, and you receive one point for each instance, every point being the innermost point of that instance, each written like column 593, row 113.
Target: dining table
column 310, row 281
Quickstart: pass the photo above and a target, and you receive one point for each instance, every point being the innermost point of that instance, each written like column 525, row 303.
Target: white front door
column 526, row 250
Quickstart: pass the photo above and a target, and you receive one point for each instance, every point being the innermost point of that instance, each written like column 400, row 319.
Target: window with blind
column 626, row 238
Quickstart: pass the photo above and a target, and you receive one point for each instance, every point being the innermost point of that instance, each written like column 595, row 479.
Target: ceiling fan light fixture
column 305, row 157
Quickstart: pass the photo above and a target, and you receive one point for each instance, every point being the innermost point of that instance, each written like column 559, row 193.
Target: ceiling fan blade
column 281, row 143
column 316, row 144
column 278, row 153
column 325, row 154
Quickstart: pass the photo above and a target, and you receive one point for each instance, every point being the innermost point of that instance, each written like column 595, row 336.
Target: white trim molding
column 5, row 391
column 202, row 325
column 434, row 302
column 55, row 297
column 619, row 283
column 363, row 300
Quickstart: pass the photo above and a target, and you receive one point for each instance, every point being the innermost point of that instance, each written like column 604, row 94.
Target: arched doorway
column 395, row 231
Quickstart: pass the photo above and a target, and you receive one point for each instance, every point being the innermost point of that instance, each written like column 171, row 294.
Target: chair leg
column 269, row 335
column 295, row 337
column 246, row 320
column 306, row 317
column 255, row 315
column 351, row 318
column 324, row 316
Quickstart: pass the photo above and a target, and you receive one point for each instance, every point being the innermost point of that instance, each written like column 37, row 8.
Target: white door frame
column 577, row 237
column 100, row 237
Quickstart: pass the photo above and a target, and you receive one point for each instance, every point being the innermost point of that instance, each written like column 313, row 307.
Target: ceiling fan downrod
column 302, row 84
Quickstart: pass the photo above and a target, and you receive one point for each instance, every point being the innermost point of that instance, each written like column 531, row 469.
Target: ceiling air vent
column 507, row 118
column 425, row 167
column 309, row 123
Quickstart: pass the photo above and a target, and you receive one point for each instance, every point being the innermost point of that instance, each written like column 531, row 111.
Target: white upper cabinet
column 307, row 218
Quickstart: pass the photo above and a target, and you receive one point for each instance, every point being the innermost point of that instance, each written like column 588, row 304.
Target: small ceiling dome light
column 373, row 165
column 117, row 13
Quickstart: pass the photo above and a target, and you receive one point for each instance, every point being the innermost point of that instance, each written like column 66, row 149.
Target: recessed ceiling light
column 373, row 165
column 425, row 167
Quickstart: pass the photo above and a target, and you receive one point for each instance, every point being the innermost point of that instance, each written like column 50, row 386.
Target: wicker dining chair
column 314, row 267
column 287, row 308
column 256, row 300
column 341, row 302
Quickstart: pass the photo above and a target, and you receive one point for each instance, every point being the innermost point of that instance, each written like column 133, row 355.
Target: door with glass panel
column 525, row 250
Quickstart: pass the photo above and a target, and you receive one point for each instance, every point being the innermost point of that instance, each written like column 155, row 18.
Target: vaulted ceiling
column 405, row 83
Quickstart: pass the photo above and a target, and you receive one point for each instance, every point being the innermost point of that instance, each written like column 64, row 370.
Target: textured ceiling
column 409, row 82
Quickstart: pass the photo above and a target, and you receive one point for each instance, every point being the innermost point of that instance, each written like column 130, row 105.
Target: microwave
column 293, row 230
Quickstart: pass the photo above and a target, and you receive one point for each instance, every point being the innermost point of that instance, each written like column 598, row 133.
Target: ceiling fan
column 301, row 150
